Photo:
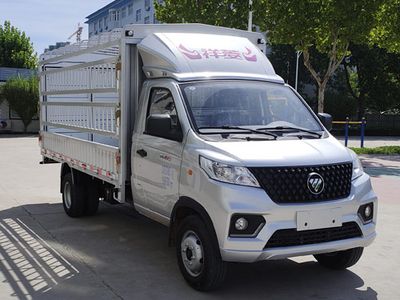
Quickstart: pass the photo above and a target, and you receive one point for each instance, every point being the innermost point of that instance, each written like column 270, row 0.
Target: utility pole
column 298, row 54
column 250, row 25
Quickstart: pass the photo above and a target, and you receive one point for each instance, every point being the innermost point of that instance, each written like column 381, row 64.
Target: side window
column 162, row 119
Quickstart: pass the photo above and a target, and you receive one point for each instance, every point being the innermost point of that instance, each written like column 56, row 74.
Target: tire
column 92, row 198
column 197, row 245
column 72, row 196
column 340, row 260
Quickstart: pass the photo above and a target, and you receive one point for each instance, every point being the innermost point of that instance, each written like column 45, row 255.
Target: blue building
column 119, row 13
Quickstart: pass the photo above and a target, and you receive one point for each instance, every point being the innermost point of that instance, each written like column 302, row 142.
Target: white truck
column 190, row 124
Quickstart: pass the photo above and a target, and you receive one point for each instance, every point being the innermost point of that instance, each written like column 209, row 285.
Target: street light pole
column 250, row 25
column 298, row 54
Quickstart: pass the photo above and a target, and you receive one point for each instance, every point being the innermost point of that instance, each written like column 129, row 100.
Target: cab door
column 156, row 153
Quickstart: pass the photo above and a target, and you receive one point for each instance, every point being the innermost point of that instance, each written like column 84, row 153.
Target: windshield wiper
column 291, row 128
column 256, row 131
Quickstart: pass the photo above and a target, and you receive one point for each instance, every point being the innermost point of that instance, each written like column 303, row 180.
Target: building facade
column 119, row 13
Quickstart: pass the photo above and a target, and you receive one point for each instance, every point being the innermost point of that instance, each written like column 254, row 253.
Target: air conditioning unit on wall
column 5, row 125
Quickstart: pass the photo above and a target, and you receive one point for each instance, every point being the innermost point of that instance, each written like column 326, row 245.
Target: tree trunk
column 361, row 106
column 26, row 126
column 361, row 96
column 321, row 97
column 322, row 81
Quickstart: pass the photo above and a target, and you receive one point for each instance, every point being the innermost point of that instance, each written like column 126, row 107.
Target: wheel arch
column 184, row 207
column 65, row 169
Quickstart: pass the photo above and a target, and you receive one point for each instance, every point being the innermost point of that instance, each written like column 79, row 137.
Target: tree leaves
column 16, row 49
column 228, row 13
column 386, row 32
column 328, row 26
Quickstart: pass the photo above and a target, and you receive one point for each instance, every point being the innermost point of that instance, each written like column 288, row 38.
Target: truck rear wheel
column 92, row 198
column 72, row 196
column 198, row 255
column 340, row 260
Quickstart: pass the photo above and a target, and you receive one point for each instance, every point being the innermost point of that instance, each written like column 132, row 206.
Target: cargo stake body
column 191, row 125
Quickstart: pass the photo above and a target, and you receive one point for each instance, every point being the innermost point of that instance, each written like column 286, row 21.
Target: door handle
column 142, row 152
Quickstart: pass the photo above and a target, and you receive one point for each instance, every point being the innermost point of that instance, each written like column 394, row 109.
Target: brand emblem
column 315, row 183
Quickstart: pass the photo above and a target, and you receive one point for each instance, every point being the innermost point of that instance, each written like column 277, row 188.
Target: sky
column 48, row 21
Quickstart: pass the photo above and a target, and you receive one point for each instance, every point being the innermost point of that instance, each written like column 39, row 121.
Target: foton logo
column 207, row 53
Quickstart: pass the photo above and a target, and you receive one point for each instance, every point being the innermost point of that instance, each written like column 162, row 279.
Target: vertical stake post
column 346, row 132
column 363, row 122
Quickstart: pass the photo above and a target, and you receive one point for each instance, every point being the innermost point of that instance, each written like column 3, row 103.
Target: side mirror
column 160, row 125
column 326, row 120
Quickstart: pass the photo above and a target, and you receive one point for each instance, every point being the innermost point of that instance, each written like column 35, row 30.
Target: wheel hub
column 192, row 253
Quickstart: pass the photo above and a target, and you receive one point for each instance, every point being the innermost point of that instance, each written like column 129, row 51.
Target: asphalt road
column 118, row 254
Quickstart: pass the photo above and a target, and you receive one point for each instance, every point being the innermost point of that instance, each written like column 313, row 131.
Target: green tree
column 373, row 78
column 386, row 33
column 16, row 49
column 228, row 13
column 22, row 96
column 327, row 25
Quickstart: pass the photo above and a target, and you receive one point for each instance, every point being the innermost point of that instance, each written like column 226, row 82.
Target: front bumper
column 285, row 252
column 223, row 200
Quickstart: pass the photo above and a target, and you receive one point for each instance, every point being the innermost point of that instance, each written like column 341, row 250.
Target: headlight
column 227, row 173
column 357, row 166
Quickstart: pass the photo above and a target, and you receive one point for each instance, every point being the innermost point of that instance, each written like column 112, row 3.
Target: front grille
column 289, row 184
column 292, row 237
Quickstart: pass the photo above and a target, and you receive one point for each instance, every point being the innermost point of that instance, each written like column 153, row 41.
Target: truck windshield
column 256, row 105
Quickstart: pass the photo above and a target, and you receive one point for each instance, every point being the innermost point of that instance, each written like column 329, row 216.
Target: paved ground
column 120, row 255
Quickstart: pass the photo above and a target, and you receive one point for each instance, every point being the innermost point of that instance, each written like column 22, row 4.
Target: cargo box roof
column 181, row 51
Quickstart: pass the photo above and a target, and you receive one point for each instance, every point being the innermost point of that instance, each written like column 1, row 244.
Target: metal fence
column 381, row 122
column 376, row 124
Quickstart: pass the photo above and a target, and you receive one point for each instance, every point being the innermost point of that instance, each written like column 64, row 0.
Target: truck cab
column 229, row 157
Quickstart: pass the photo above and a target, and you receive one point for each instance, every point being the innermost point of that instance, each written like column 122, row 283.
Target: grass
column 386, row 150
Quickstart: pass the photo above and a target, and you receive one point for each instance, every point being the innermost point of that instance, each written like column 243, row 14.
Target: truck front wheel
column 340, row 260
column 198, row 255
column 72, row 196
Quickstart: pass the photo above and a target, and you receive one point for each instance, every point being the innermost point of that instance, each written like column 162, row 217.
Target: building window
column 123, row 13
column 112, row 15
column 147, row 4
column 105, row 23
column 147, row 20
column 95, row 26
column 138, row 15
column 100, row 24
column 130, row 9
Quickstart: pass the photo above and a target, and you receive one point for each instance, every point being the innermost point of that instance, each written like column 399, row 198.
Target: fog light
column 367, row 211
column 129, row 33
column 241, row 224
column 245, row 225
